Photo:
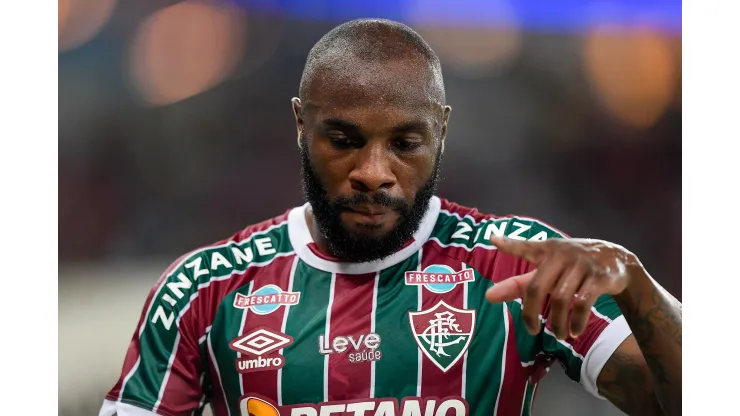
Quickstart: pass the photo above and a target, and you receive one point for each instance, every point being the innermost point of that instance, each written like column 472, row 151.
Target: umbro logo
column 259, row 350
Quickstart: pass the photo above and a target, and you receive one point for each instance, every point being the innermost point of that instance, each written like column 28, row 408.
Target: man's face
column 370, row 150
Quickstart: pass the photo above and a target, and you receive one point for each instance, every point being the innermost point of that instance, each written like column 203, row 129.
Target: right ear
column 296, row 103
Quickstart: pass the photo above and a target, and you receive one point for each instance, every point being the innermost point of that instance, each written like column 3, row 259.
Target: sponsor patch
column 443, row 333
column 255, row 405
column 266, row 299
column 439, row 278
column 364, row 348
column 259, row 350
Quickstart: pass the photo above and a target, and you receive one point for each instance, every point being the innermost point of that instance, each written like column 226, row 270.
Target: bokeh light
column 81, row 20
column 632, row 72
column 470, row 50
column 185, row 49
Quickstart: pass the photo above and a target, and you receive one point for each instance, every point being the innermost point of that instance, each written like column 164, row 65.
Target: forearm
column 655, row 319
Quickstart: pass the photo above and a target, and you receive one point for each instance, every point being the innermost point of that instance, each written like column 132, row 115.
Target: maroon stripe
column 435, row 382
column 514, row 385
column 217, row 399
column 183, row 391
column 351, row 315
column 265, row 382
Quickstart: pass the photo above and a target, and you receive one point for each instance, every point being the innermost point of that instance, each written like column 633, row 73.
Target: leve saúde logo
column 443, row 333
column 266, row 299
column 259, row 350
column 439, row 278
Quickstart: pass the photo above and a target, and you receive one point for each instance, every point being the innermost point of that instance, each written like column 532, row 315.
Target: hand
column 574, row 272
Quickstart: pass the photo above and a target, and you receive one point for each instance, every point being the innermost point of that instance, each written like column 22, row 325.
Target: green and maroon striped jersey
column 263, row 324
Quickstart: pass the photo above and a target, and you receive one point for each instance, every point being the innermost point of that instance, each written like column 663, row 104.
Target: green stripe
column 303, row 374
column 396, row 372
column 527, row 345
column 158, row 339
column 485, row 355
column 528, row 397
column 449, row 229
column 607, row 306
column 226, row 327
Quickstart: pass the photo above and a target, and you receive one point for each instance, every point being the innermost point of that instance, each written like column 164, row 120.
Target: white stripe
column 282, row 329
column 463, row 246
column 503, row 356
column 548, row 332
column 218, row 374
column 372, row 329
column 174, row 269
column 524, row 399
column 418, row 350
column 162, row 388
column 492, row 218
column 241, row 331
column 465, row 357
column 203, row 338
column 326, row 336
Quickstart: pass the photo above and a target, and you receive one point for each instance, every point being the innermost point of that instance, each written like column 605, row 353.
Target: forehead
column 370, row 93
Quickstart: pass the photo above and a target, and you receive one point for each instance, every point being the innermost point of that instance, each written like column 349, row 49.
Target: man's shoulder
column 465, row 225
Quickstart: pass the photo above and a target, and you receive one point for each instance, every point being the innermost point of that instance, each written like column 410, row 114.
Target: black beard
column 349, row 247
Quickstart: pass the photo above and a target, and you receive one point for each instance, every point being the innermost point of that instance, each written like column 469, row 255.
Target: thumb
column 509, row 289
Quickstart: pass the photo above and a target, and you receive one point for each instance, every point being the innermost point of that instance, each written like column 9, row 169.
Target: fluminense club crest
column 443, row 333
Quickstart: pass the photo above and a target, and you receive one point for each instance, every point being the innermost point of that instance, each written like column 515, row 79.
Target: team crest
column 443, row 333
column 439, row 278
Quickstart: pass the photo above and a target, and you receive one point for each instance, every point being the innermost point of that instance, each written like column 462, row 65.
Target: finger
column 584, row 300
column 561, row 297
column 531, row 251
column 536, row 292
column 509, row 289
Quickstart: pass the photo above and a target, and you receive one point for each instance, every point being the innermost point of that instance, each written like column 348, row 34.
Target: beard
column 351, row 247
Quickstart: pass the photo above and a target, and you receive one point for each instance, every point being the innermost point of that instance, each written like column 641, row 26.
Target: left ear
column 445, row 118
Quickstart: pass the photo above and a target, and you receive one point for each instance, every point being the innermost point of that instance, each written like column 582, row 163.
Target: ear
column 296, row 103
column 445, row 118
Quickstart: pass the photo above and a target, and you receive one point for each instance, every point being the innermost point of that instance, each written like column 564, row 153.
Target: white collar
column 300, row 238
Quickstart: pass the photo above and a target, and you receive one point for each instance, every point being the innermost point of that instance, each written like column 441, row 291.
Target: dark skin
column 379, row 130
column 643, row 376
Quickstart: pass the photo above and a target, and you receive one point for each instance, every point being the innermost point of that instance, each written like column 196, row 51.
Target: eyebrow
column 336, row 123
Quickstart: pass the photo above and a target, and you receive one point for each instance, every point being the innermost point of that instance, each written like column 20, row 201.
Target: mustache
column 379, row 198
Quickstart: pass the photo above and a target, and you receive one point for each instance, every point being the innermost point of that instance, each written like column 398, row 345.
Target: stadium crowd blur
column 175, row 127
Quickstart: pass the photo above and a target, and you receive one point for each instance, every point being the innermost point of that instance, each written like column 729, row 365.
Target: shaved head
column 368, row 49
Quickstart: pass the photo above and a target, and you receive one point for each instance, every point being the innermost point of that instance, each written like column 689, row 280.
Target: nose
column 372, row 171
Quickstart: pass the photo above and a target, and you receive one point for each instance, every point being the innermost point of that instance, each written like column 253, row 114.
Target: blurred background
column 175, row 130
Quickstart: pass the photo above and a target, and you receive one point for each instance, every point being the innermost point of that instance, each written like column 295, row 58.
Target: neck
column 316, row 235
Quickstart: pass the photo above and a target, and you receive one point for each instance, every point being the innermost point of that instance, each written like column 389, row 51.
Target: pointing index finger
column 530, row 251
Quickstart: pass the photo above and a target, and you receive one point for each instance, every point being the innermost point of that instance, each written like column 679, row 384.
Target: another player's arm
column 644, row 374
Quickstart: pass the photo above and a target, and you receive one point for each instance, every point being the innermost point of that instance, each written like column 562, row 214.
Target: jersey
column 264, row 324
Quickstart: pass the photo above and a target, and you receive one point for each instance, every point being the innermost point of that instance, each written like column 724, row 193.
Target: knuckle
column 533, row 290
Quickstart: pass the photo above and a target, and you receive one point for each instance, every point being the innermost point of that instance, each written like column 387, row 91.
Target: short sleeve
column 163, row 367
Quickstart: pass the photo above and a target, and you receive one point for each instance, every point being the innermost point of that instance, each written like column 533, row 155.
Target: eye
column 407, row 144
column 340, row 141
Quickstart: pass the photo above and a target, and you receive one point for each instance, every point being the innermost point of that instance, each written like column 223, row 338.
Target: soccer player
column 377, row 298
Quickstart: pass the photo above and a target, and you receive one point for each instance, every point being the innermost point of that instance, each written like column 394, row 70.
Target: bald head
column 374, row 52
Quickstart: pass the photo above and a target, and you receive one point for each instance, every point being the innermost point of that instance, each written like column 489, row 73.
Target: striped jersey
column 263, row 324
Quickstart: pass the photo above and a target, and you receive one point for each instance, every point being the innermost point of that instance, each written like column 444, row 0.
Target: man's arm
column 644, row 375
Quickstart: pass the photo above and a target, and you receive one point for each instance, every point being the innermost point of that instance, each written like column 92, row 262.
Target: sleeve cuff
column 111, row 408
column 602, row 349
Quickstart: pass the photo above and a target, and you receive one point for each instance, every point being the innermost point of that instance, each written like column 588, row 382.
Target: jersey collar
column 300, row 238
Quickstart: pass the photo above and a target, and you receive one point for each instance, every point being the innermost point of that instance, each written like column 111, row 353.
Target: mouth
column 368, row 213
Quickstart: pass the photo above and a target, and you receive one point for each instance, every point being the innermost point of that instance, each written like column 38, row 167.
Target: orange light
column 81, row 20
column 633, row 73
column 185, row 49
